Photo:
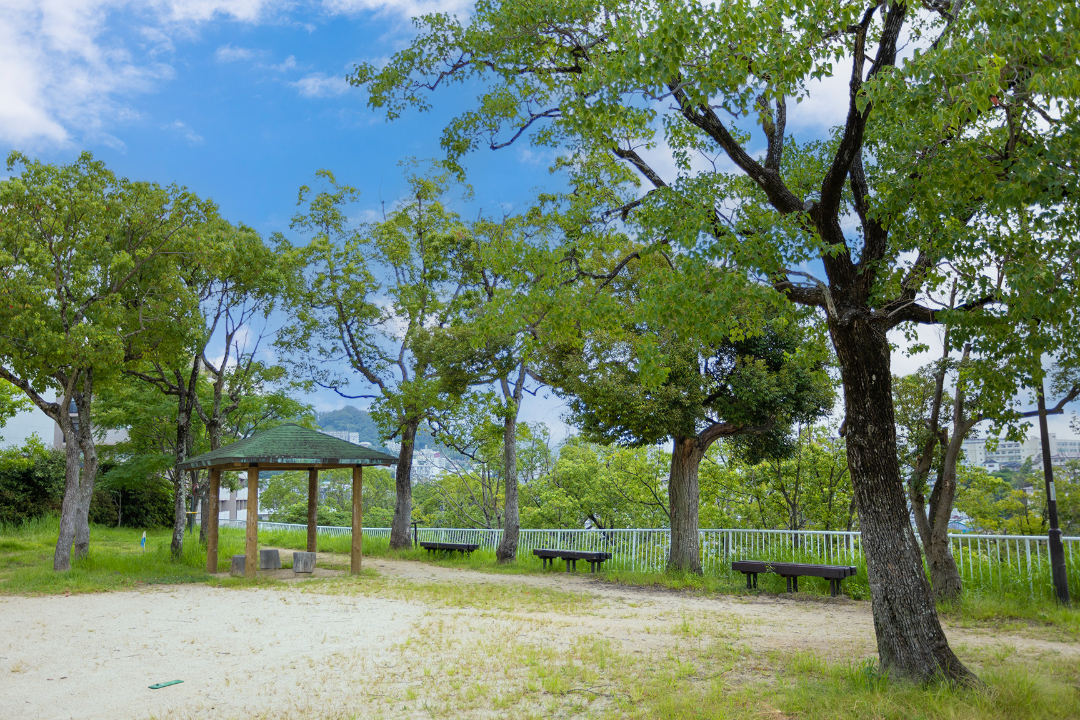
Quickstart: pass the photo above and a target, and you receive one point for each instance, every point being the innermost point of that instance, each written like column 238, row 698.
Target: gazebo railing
column 1010, row 563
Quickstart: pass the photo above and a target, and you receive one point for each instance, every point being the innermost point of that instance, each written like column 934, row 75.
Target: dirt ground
column 317, row 649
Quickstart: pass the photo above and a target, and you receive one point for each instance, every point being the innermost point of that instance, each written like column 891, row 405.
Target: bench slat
column 464, row 547
column 571, row 554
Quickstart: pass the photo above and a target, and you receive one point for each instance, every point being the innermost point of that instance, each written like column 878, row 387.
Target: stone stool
column 237, row 569
column 269, row 560
column 303, row 562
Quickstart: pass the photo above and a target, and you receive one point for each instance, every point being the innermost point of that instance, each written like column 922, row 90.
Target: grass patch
column 1009, row 613
column 503, row 596
column 116, row 560
column 805, row 686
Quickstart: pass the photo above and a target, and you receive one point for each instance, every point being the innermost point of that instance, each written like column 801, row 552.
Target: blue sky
column 243, row 100
column 240, row 101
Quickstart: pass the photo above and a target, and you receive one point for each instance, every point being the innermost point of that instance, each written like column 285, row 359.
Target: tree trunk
column 204, row 510
column 399, row 529
column 185, row 405
column 910, row 640
column 683, row 495
column 176, row 547
column 88, row 474
column 69, row 508
column 507, row 549
column 944, row 575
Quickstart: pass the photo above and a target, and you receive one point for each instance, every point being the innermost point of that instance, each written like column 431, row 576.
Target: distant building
column 1011, row 454
column 25, row 424
column 427, row 463
column 232, row 504
column 347, row 436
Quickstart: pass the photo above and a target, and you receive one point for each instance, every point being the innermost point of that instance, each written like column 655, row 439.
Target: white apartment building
column 232, row 504
column 427, row 464
column 347, row 436
column 976, row 452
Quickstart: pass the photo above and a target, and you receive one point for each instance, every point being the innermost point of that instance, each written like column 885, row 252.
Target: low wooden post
column 312, row 506
column 251, row 552
column 357, row 519
column 212, row 521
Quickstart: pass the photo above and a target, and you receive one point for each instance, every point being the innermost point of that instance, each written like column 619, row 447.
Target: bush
column 31, row 482
column 147, row 505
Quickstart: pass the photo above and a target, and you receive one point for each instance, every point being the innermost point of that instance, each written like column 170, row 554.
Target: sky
column 242, row 101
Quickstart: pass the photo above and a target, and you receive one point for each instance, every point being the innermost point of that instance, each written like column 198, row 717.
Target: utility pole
column 1057, row 550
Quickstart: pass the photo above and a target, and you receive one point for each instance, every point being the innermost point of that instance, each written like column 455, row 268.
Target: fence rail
column 1012, row 563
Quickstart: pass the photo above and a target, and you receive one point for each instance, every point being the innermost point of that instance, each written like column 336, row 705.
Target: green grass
column 1011, row 613
column 803, row 685
column 115, row 562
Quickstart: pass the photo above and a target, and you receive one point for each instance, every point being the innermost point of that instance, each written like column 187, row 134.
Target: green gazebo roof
column 287, row 447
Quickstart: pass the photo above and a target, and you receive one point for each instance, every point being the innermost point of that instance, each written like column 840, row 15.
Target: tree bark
column 910, row 640
column 507, row 549
column 683, row 499
column 88, row 473
column 204, row 512
column 399, row 529
column 69, row 508
column 185, row 406
column 933, row 526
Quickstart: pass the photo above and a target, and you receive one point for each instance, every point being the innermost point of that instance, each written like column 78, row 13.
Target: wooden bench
column 793, row 571
column 594, row 558
column 448, row 547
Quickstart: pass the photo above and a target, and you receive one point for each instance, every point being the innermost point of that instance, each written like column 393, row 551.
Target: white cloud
column 825, row 104
column 228, row 53
column 192, row 137
column 318, row 85
column 408, row 8
column 288, row 64
column 64, row 75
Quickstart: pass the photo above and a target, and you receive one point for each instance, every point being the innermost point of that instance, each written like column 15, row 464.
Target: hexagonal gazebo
column 285, row 447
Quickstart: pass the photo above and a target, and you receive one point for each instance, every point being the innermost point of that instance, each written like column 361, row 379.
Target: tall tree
column 510, row 281
column 86, row 263
column 968, row 128
column 752, row 385
column 372, row 298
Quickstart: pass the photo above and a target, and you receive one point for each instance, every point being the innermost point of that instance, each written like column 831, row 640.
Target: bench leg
column 795, row 583
column 755, row 581
column 788, row 578
column 568, row 561
column 748, row 580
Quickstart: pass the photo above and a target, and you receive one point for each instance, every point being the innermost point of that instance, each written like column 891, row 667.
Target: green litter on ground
column 165, row 684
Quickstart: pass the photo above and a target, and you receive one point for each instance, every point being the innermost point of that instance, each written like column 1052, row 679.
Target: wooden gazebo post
column 357, row 553
column 312, row 507
column 251, row 548
column 212, row 520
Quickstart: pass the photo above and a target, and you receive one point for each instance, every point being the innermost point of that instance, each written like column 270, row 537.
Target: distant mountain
column 351, row 419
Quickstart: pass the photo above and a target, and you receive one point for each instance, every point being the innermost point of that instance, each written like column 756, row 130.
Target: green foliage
column 808, row 489
column 472, row 492
column 115, row 241
column 371, row 293
column 996, row 506
column 599, row 485
column 31, row 482
column 285, row 495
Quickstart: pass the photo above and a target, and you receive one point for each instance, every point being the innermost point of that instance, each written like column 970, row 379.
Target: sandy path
column 298, row 651
column 93, row 656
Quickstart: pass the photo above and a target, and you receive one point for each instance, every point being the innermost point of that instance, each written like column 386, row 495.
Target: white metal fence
column 1013, row 563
